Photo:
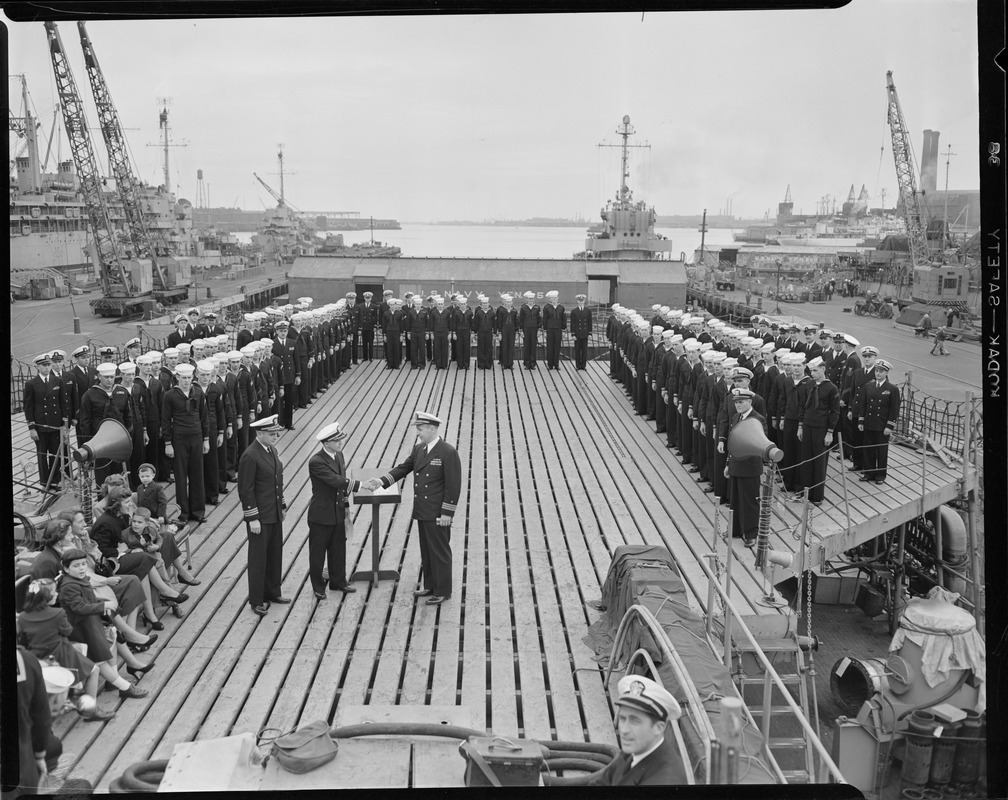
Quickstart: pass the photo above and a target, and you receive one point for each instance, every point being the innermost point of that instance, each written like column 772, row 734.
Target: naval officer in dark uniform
column 877, row 411
column 43, row 408
column 260, row 489
column 331, row 484
column 581, row 328
column 437, row 482
column 650, row 756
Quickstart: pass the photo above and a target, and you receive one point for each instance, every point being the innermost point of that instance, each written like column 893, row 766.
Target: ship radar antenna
column 626, row 130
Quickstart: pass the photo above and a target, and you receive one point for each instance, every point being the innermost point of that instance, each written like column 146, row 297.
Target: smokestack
column 929, row 162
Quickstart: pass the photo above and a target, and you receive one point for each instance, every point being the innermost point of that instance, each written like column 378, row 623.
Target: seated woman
column 85, row 612
column 107, row 534
column 126, row 591
column 113, row 481
column 44, row 629
column 145, row 535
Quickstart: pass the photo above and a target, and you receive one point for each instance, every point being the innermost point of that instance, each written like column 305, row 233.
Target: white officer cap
column 43, row 358
column 194, row 310
column 883, row 365
column 424, row 418
column 106, row 369
column 206, row 365
column 134, row 342
column 81, row 351
column 646, row 695
column 741, row 372
column 825, row 333
column 180, row 318
column 332, row 431
column 268, row 424
column 743, row 394
column 184, row 370
column 211, row 314
column 851, row 340
column 282, row 323
column 868, row 350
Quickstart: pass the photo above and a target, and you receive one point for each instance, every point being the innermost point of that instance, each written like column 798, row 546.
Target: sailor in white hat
column 187, row 439
column 507, row 326
column 852, row 364
column 649, row 756
column 331, row 483
column 795, row 396
column 818, row 417
column 106, row 400
column 530, row 321
column 554, row 322
column 437, row 483
column 261, row 493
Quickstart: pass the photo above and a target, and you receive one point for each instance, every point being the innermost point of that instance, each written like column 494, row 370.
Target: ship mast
column 280, row 159
column 626, row 131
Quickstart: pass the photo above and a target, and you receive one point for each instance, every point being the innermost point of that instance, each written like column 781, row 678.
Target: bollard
column 967, row 753
column 76, row 324
column 919, row 744
column 943, row 755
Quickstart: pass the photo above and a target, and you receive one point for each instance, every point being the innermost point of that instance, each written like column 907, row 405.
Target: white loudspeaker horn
column 747, row 439
column 112, row 441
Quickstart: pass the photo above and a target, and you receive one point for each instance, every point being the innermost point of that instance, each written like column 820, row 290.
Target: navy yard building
column 635, row 284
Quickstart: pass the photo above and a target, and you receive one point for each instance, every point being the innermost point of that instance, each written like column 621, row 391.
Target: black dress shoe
column 422, row 592
column 133, row 691
column 864, row 478
column 437, row 600
column 346, row 587
column 260, row 610
column 708, row 489
column 693, row 469
column 142, row 647
column 224, row 490
column 880, row 481
column 189, row 583
column 750, row 543
column 291, row 428
column 212, row 501
column 155, row 624
column 139, row 672
column 320, row 595
column 281, row 601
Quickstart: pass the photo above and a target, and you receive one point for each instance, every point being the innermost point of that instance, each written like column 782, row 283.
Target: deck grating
column 559, row 473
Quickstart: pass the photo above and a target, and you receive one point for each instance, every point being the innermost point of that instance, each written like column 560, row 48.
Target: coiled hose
column 145, row 776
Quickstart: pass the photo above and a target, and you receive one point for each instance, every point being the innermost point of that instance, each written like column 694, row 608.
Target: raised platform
column 558, row 472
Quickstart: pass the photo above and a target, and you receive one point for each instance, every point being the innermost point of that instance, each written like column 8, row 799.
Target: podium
column 376, row 500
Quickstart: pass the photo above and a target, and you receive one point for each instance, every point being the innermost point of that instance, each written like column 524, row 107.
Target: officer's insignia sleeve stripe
column 251, row 512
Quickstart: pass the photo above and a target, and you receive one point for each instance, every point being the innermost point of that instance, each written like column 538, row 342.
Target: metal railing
column 941, row 419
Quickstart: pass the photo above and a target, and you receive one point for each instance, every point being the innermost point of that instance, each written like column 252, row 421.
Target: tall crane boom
column 916, row 222
column 115, row 278
column 268, row 188
column 122, row 171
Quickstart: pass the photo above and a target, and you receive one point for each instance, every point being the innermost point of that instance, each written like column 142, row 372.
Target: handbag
column 306, row 748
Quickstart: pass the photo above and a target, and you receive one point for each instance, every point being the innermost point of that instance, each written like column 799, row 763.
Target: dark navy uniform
column 440, row 326
column 43, row 408
column 743, row 482
column 485, row 323
column 368, row 320
column 554, row 320
column 97, row 406
column 185, row 426
column 327, row 519
column 530, row 320
column 437, row 483
column 581, row 328
column 507, row 326
column 462, row 323
column 817, row 416
column 260, row 489
column 877, row 411
column 417, row 336
column 288, row 370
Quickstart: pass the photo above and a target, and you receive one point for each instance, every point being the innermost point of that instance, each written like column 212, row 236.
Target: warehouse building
column 636, row 284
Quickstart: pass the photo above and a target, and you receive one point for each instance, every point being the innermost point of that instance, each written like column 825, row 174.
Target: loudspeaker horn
column 747, row 439
column 112, row 441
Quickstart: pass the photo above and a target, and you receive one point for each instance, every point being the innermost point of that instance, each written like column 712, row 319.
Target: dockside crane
column 126, row 182
column 913, row 212
column 121, row 279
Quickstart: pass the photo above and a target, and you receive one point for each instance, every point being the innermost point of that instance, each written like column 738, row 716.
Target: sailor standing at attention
column 554, row 320
column 260, row 489
column 368, row 320
column 581, row 329
column 649, row 757
column 437, row 482
column 530, row 319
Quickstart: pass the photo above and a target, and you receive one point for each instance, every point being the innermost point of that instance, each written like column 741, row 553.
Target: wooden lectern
column 376, row 500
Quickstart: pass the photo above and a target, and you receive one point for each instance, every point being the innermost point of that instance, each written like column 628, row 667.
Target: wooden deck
column 558, row 472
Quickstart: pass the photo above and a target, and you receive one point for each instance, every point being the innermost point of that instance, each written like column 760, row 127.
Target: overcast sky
column 436, row 118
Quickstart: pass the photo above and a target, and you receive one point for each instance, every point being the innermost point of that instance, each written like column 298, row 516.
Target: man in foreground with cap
column 181, row 332
column 84, row 376
column 863, row 375
column 260, row 489
column 581, row 328
column 107, row 400
column 186, row 431
column 851, row 363
column 331, row 484
column 817, row 417
column 877, row 410
column 213, row 327
column 645, row 714
column 43, row 408
column 437, row 483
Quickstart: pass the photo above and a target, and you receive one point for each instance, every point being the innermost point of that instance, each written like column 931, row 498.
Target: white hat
column 815, row 363
column 529, row 295
column 155, row 355
column 198, row 344
column 665, row 309
column 656, row 307
column 251, row 317
column 43, row 358
column 783, row 351
column 705, row 346
column 648, row 696
column 708, row 355
column 768, row 347
column 718, row 356
column 423, row 418
column 184, row 370
column 183, row 347
column 668, row 335
column 729, row 363
column 657, row 329
column 741, row 372
column 868, row 350
column 83, row 350
column 677, row 338
column 234, row 355
column 190, row 311
column 331, row 431
column 268, row 424
column 219, row 358
column 883, row 365
column 106, row 369
column 691, row 345
column 171, row 352
column 206, row 365
column 686, row 319
column 553, row 293
column 250, row 349
column 851, row 340
column 146, row 358
column 180, row 318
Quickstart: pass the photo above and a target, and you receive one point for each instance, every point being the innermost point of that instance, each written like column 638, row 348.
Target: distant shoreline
column 671, row 221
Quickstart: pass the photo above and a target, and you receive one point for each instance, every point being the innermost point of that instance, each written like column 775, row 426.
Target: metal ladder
column 782, row 735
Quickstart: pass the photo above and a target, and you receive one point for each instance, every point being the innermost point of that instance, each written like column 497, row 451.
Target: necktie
column 816, row 399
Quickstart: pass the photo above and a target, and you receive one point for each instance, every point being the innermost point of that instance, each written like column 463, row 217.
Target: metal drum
column 919, row 746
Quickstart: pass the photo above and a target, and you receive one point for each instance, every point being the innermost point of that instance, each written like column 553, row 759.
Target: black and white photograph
column 455, row 397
